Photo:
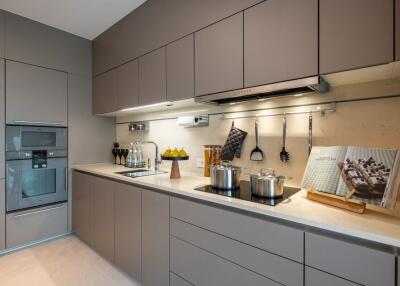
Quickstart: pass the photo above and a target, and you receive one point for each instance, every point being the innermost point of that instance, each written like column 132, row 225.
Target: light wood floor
column 62, row 262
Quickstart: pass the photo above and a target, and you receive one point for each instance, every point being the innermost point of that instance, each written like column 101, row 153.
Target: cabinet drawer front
column 175, row 280
column 318, row 278
column 353, row 262
column 272, row 237
column 269, row 265
column 37, row 224
column 203, row 268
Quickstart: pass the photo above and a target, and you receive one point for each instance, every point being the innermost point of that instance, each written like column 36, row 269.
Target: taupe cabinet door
column 35, row 43
column 314, row 277
column 35, row 94
column 2, row 33
column 280, row 41
column 219, row 56
column 397, row 30
column 351, row 261
column 105, row 93
column 2, row 117
column 103, row 217
column 180, row 69
column 128, row 224
column 82, row 207
column 157, row 23
column 152, row 78
column 128, row 85
column 355, row 34
column 2, row 215
column 155, row 239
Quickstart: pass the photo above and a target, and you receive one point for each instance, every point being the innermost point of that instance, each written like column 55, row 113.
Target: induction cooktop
column 244, row 193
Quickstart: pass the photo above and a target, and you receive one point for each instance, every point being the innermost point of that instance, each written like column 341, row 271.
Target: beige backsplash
column 372, row 123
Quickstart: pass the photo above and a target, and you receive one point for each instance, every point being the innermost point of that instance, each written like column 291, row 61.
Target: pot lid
column 227, row 165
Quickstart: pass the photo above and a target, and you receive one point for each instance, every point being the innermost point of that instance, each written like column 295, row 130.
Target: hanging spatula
column 256, row 153
column 284, row 155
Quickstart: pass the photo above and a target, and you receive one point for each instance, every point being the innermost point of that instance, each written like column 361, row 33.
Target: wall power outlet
column 199, row 162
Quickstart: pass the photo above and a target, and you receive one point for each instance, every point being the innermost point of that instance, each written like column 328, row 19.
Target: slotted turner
column 256, row 153
column 284, row 155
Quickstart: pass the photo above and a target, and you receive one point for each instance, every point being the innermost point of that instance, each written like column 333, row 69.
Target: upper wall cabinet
column 155, row 24
column 2, row 110
column 105, row 93
column 180, row 69
column 2, row 131
column 35, row 43
column 35, row 95
column 152, row 78
column 219, row 56
column 128, row 85
column 2, row 33
column 355, row 34
column 397, row 29
column 280, row 41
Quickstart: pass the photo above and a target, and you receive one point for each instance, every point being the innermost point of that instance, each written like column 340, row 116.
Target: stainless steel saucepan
column 225, row 176
column 267, row 184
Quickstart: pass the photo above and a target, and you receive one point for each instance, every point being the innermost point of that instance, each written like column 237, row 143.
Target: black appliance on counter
column 244, row 193
column 36, row 166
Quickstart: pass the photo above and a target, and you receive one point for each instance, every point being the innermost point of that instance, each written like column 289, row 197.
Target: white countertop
column 371, row 225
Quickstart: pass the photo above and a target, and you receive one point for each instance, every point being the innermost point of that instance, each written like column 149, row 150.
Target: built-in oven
column 36, row 166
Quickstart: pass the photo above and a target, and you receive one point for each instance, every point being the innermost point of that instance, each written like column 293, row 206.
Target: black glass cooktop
column 244, row 193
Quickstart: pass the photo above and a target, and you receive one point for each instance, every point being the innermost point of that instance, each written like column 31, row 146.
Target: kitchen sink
column 140, row 173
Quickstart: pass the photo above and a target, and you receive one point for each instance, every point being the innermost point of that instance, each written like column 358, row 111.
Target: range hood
column 280, row 89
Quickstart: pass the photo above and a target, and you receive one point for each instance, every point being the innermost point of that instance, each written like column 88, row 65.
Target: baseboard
column 31, row 244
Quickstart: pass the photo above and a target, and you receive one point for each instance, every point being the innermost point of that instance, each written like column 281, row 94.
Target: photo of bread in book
column 370, row 175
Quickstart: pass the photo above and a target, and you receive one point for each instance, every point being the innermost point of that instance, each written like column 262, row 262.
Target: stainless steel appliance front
column 36, row 166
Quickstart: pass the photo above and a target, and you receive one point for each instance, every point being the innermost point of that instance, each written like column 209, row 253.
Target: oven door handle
column 37, row 122
column 66, row 180
column 39, row 211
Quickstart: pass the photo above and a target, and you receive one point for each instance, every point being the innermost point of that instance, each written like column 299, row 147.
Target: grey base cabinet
column 280, row 41
column 175, row 280
column 36, row 95
column 82, row 207
column 22, row 227
column 155, row 239
column 314, row 277
column 128, row 225
column 103, row 217
column 2, row 215
column 360, row 264
column 355, row 34
column 203, row 268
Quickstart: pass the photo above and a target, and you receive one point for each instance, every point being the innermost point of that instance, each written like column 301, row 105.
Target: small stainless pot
column 267, row 185
column 225, row 176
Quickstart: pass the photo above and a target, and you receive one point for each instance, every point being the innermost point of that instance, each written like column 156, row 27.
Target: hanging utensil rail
column 293, row 110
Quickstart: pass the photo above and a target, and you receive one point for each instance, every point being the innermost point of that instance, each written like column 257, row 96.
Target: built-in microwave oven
column 36, row 166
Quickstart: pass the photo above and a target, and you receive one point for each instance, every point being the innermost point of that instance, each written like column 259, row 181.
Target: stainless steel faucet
column 157, row 162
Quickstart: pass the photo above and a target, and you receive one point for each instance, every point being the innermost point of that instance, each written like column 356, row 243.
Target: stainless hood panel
column 286, row 88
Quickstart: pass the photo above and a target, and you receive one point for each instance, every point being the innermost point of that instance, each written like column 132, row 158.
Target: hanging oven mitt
column 239, row 150
column 233, row 143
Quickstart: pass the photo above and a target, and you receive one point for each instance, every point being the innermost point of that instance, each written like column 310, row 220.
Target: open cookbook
column 370, row 175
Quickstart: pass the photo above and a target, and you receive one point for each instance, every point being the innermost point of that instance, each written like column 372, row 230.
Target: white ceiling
column 85, row 18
